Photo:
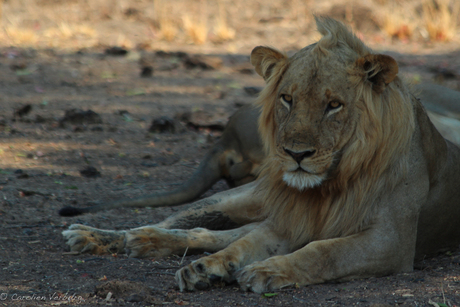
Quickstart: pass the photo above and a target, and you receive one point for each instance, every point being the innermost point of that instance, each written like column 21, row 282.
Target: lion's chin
column 302, row 180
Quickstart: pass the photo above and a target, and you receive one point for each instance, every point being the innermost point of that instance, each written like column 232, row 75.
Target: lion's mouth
column 301, row 171
column 302, row 179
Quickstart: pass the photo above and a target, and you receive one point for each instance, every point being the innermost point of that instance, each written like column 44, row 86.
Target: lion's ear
column 264, row 59
column 381, row 70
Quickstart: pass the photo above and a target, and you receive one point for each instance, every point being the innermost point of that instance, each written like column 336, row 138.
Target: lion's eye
column 333, row 106
column 286, row 100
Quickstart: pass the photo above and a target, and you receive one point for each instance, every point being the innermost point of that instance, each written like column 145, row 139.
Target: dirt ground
column 42, row 153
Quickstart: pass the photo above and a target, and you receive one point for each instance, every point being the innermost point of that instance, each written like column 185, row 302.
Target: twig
column 185, row 253
column 442, row 290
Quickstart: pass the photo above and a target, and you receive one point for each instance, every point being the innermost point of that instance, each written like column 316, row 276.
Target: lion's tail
column 203, row 178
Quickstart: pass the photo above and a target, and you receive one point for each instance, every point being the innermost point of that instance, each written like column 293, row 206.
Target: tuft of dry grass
column 72, row 23
column 196, row 30
column 400, row 19
column 222, row 31
column 398, row 26
column 68, row 31
column 440, row 19
column 168, row 28
column 434, row 20
column 1, row 10
column 17, row 36
column 70, row 35
column 196, row 25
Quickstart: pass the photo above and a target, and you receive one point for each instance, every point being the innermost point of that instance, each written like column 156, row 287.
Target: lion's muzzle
column 299, row 156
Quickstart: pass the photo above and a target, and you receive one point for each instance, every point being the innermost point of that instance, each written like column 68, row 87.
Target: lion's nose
column 299, row 156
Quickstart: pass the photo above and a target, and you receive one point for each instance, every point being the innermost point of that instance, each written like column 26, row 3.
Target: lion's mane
column 369, row 164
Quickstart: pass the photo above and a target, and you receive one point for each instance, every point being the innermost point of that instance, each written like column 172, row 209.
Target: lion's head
column 336, row 121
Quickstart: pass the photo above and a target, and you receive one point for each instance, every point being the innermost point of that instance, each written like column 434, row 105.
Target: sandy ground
column 42, row 156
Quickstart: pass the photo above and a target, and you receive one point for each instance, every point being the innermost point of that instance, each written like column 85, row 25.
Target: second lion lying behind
column 357, row 181
column 237, row 155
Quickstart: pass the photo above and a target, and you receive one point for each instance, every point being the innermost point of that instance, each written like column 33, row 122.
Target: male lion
column 357, row 181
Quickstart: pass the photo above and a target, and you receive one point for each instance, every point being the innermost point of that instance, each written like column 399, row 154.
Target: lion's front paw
column 151, row 241
column 264, row 276
column 201, row 274
column 86, row 239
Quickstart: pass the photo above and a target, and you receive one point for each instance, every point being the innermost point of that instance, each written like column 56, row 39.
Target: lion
column 357, row 181
column 238, row 155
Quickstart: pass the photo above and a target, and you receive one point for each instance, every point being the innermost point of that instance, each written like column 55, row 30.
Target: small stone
column 135, row 298
column 24, row 110
column 149, row 164
column 165, row 124
column 146, row 71
column 90, row 172
column 23, row 176
column 116, row 51
column 80, row 117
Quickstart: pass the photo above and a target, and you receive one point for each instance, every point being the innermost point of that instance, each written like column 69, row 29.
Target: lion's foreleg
column 151, row 241
column 370, row 253
column 259, row 244
column 225, row 210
